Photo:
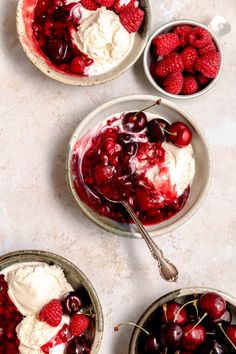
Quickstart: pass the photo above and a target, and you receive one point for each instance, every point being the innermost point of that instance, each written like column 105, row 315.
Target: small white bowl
column 147, row 58
column 24, row 18
column 172, row 113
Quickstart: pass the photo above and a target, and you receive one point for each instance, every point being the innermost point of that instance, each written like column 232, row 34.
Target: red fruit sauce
column 62, row 337
column 102, row 163
column 10, row 317
column 52, row 25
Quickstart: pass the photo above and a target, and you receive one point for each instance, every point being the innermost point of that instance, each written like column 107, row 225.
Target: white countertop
column 38, row 116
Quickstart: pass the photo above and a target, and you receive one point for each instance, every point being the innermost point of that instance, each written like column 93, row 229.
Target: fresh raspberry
column 209, row 64
column 203, row 80
column 182, row 32
column 51, row 313
column 173, row 83
column 190, row 85
column 189, row 56
column 199, row 37
column 165, row 43
column 78, row 324
column 90, row 4
column 171, row 62
column 131, row 18
column 107, row 3
column 208, row 48
column 118, row 7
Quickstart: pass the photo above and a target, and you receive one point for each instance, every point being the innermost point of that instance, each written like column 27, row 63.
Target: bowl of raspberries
column 183, row 59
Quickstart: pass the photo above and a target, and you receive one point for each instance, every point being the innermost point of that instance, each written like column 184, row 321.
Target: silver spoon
column 166, row 269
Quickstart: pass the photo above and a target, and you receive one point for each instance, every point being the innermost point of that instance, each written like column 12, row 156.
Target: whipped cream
column 103, row 38
column 32, row 285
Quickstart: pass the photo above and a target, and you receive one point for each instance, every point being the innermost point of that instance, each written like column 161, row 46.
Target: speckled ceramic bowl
column 172, row 113
column 24, row 19
column 180, row 295
column 73, row 275
column 147, row 57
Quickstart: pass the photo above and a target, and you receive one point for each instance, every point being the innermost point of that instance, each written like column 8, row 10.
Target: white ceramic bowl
column 147, row 57
column 24, row 19
column 172, row 113
column 180, row 295
column 73, row 275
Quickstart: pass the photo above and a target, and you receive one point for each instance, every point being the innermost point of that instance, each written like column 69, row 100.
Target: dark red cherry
column 125, row 138
column 170, row 311
column 226, row 318
column 134, row 121
column 231, row 333
column 193, row 337
column 56, row 49
column 180, row 134
column 77, row 346
column 156, row 132
column 152, row 345
column 213, row 304
column 71, row 303
column 171, row 335
column 211, row 346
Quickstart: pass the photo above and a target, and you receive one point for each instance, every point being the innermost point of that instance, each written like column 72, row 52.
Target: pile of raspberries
column 130, row 15
column 185, row 60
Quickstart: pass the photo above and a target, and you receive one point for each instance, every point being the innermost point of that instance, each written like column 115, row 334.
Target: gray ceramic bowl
column 172, row 113
column 147, row 58
column 182, row 296
column 73, row 275
column 24, row 19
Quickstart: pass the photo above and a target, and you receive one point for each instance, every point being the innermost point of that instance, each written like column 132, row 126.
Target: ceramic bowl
column 24, row 20
column 73, row 275
column 181, row 296
column 147, row 57
column 172, row 113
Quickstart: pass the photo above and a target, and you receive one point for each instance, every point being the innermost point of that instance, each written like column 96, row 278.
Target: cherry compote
column 53, row 26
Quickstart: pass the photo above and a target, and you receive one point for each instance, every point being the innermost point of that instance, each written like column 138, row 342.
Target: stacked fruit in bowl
column 197, row 323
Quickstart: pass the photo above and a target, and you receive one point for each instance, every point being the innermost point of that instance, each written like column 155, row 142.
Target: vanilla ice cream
column 103, row 38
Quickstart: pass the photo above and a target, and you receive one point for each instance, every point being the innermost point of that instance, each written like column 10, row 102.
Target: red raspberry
column 203, row 80
column 171, row 62
column 209, row 64
column 208, row 48
column 118, row 7
column 189, row 56
column 182, row 32
column 173, row 83
column 78, row 324
column 199, row 37
column 107, row 3
column 190, row 85
column 51, row 313
column 131, row 17
column 90, row 4
column 165, row 43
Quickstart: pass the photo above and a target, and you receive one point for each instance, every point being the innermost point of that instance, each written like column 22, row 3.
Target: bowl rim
column 53, row 256
column 159, row 31
column 86, row 209
column 172, row 295
column 73, row 80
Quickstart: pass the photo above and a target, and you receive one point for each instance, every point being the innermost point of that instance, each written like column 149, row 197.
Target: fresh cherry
column 170, row 335
column 213, row 304
column 77, row 346
column 71, row 303
column 156, row 130
column 231, row 334
column 134, row 121
column 152, row 345
column 56, row 49
column 171, row 313
column 226, row 318
column 212, row 346
column 180, row 134
column 193, row 336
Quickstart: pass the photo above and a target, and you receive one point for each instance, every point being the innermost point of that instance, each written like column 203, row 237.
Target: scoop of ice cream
column 33, row 334
column 103, row 38
column 32, row 285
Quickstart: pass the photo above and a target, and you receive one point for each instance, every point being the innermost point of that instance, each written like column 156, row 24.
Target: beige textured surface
column 38, row 116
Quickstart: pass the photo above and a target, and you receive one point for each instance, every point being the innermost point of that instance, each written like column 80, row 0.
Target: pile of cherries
column 201, row 325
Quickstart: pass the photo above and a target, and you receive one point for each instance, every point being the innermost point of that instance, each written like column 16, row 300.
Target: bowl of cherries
column 146, row 151
column 189, row 320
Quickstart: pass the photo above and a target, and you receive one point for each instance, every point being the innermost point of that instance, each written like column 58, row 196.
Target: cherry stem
column 150, row 106
column 183, row 306
column 220, row 325
column 211, row 333
column 164, row 306
column 117, row 327
column 166, row 131
column 205, row 314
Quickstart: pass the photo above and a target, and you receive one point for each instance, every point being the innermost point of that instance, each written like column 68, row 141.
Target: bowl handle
column 219, row 25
